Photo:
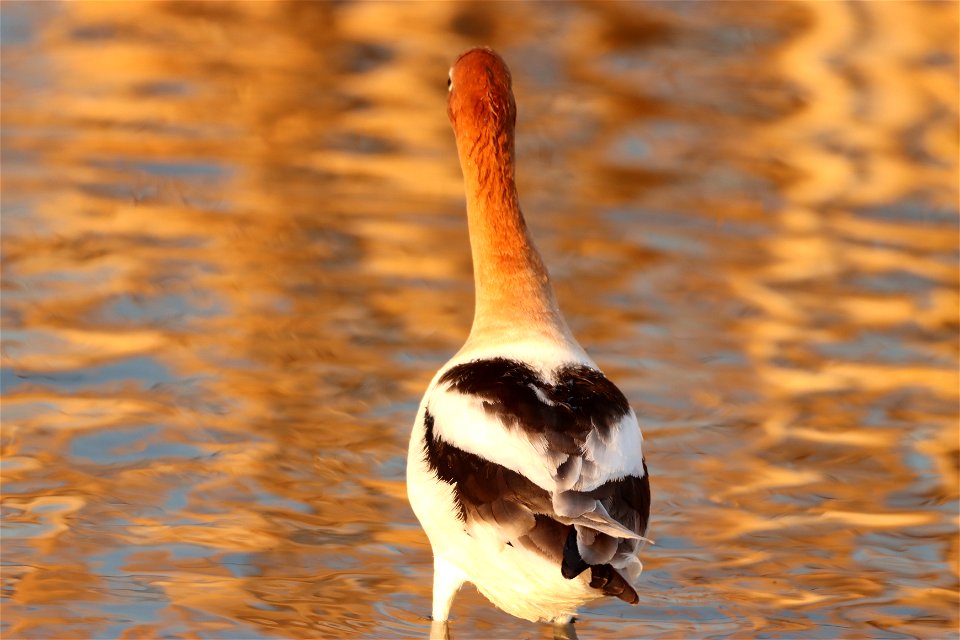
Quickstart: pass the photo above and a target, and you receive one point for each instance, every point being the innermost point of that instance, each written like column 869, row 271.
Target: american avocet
column 525, row 465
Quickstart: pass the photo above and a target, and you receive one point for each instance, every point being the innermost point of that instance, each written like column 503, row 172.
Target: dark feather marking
column 441, row 460
column 627, row 500
column 581, row 400
column 608, row 580
column 489, row 492
column 573, row 565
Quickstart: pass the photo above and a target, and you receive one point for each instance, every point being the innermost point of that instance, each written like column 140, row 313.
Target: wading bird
column 525, row 465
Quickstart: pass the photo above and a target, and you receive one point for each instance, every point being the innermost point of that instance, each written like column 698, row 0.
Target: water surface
column 235, row 253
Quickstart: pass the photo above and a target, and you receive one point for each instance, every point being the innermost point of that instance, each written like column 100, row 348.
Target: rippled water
column 235, row 252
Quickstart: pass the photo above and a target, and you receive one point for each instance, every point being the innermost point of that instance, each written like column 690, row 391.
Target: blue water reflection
column 234, row 253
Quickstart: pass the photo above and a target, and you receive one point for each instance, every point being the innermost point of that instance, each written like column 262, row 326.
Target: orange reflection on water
column 234, row 254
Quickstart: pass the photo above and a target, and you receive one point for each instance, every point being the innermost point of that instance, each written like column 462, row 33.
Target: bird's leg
column 563, row 629
column 447, row 580
column 439, row 630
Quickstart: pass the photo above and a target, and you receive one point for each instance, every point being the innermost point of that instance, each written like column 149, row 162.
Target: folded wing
column 552, row 463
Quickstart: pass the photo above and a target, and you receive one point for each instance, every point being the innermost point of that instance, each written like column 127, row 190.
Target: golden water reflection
column 234, row 253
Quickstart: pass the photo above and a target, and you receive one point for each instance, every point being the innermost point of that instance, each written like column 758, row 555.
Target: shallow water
column 234, row 253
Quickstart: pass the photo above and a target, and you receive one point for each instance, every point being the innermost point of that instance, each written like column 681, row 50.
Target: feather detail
column 598, row 519
column 565, row 427
column 525, row 472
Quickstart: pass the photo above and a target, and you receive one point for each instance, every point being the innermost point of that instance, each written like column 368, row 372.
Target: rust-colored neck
column 513, row 290
column 514, row 297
